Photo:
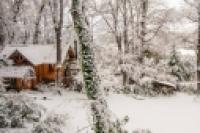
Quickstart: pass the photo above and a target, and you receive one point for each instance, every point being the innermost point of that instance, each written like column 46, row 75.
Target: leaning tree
column 101, row 115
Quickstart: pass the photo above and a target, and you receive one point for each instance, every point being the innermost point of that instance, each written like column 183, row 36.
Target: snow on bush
column 142, row 131
column 150, row 64
column 45, row 128
column 2, row 86
column 143, row 73
column 118, row 125
column 189, row 88
column 55, row 119
column 3, row 121
column 177, row 68
column 52, row 124
column 17, row 122
column 104, row 121
column 16, row 110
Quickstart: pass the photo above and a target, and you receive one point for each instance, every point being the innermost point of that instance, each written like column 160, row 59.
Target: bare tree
column 196, row 5
column 57, row 17
column 125, row 23
column 16, row 6
column 37, row 22
column 110, row 12
column 101, row 115
column 144, row 10
column 198, row 50
column 2, row 34
column 87, row 55
column 88, row 67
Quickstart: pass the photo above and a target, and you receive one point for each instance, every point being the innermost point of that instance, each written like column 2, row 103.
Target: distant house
column 34, row 64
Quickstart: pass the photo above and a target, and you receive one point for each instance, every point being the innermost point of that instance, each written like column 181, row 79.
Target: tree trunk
column 15, row 10
column 198, row 52
column 26, row 33
column 2, row 34
column 59, row 43
column 118, row 37
column 57, row 18
column 125, row 38
column 125, row 23
column 144, row 9
column 125, row 78
column 76, row 48
column 132, row 20
column 37, row 23
column 87, row 55
column 91, row 81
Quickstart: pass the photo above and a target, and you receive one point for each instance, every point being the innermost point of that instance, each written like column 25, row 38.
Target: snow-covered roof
column 17, row 72
column 36, row 54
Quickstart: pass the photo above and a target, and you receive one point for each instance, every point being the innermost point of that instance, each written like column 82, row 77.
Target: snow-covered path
column 177, row 114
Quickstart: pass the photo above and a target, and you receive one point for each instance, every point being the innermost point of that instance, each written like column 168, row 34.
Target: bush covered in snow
column 2, row 86
column 177, row 68
column 143, row 75
column 189, row 88
column 103, row 119
column 150, row 64
column 15, row 110
column 117, row 126
column 55, row 119
column 142, row 131
column 45, row 128
column 52, row 124
column 3, row 121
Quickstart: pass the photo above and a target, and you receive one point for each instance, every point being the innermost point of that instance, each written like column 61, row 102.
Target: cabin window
column 31, row 73
column 20, row 57
column 51, row 68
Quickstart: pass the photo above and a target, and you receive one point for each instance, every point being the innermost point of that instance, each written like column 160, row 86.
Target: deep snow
column 177, row 114
column 74, row 106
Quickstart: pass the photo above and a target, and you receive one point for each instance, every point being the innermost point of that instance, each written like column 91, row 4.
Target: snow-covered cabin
column 34, row 64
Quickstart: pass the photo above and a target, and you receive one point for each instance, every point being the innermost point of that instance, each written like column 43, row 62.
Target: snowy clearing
column 75, row 106
column 160, row 115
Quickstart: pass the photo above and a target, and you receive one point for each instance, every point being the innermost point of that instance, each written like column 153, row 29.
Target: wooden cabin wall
column 37, row 73
column 25, row 84
column 45, row 72
column 19, row 84
column 49, row 72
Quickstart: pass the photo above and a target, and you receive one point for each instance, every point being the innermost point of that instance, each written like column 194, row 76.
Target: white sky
column 174, row 3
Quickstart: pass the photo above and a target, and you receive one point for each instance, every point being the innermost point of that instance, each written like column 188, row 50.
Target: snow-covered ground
column 177, row 114
column 74, row 107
